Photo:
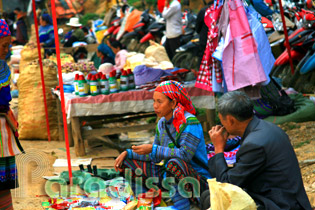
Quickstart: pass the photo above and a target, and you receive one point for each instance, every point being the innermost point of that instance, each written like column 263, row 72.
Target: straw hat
column 74, row 22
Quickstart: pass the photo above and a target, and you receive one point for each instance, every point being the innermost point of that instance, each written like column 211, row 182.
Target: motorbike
column 187, row 55
column 131, row 39
column 301, row 41
column 156, row 30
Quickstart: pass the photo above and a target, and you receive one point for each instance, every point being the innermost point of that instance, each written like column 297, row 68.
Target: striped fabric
column 175, row 90
column 5, row 74
column 208, row 63
column 8, row 173
column 9, row 145
column 5, row 200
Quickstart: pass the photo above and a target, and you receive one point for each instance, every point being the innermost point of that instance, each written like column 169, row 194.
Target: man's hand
column 119, row 160
column 218, row 136
column 142, row 149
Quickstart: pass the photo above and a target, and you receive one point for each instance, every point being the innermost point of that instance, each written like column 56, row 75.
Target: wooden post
column 211, row 117
column 60, row 125
column 77, row 137
column 59, row 116
column 70, row 138
column 210, row 113
column 1, row 7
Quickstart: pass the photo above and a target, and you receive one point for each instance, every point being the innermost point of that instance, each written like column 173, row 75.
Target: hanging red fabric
column 41, row 68
column 62, row 96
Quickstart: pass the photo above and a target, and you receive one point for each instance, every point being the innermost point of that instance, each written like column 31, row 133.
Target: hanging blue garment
column 262, row 8
column 264, row 50
column 216, row 87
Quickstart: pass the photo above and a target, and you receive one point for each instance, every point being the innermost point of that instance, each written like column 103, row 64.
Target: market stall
column 133, row 103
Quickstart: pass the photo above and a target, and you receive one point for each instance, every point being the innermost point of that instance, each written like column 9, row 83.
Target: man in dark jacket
column 21, row 28
column 266, row 166
column 202, row 30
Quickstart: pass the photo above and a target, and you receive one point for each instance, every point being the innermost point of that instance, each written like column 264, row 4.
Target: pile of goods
column 114, row 194
column 64, row 58
column 32, row 117
column 28, row 54
column 83, row 67
column 99, row 83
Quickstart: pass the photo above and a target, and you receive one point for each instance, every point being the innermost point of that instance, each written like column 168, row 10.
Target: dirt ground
column 41, row 155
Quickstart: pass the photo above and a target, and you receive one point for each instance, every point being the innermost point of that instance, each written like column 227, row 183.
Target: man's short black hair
column 237, row 104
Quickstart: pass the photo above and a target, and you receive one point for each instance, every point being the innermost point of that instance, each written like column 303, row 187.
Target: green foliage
column 200, row 111
column 151, row 119
column 138, row 5
column 89, row 16
column 302, row 143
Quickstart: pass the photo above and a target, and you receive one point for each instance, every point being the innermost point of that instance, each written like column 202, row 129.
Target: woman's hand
column 119, row 160
column 142, row 149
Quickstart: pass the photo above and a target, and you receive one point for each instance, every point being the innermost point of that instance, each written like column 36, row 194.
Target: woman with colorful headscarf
column 9, row 143
column 179, row 144
column 46, row 33
column 105, row 54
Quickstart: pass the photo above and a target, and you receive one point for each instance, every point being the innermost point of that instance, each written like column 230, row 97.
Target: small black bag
column 277, row 98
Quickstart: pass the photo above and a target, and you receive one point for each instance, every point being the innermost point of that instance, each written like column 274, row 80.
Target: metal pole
column 286, row 36
column 41, row 69
column 62, row 96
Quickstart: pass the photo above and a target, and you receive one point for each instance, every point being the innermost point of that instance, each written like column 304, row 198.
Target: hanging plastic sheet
column 264, row 50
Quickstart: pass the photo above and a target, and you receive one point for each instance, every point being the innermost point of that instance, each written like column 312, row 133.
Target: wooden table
column 96, row 111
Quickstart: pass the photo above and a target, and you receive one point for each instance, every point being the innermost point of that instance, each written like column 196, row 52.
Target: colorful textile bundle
column 230, row 150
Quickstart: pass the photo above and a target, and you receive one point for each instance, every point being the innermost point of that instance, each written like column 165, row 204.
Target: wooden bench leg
column 77, row 137
column 70, row 138
column 60, row 124
column 210, row 113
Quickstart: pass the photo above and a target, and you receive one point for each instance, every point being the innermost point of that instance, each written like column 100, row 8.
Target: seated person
column 266, row 166
column 179, row 143
column 120, row 54
column 88, row 37
column 46, row 33
column 105, row 54
column 77, row 34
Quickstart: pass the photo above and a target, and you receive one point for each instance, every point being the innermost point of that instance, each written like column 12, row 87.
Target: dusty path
column 42, row 154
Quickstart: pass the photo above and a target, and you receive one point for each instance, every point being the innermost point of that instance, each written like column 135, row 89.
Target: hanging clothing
column 241, row 63
column 263, row 46
column 204, row 79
